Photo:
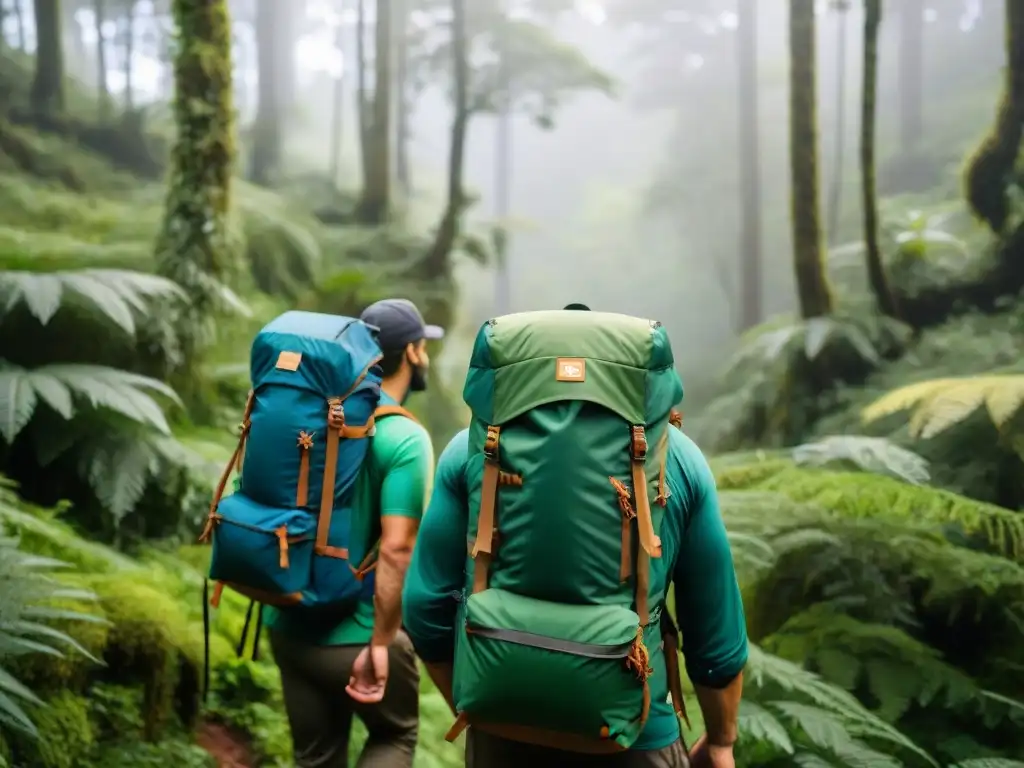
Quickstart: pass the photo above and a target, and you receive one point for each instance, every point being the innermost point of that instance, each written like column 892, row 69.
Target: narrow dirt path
column 228, row 748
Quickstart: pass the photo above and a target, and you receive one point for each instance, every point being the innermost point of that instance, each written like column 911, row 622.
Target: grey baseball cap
column 399, row 322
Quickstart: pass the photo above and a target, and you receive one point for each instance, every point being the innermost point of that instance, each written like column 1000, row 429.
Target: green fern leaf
column 942, row 403
column 17, row 401
column 810, row 760
column 989, row 762
column 121, row 392
column 758, row 723
column 116, row 293
column 871, row 454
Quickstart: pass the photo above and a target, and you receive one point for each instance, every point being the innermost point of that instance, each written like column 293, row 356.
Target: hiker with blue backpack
column 538, row 592
column 334, row 477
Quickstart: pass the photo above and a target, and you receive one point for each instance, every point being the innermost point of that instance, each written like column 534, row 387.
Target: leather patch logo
column 571, row 369
column 289, row 361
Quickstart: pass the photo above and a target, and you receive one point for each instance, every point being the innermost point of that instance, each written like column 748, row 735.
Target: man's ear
column 412, row 353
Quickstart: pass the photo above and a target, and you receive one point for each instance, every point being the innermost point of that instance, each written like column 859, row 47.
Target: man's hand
column 369, row 675
column 704, row 755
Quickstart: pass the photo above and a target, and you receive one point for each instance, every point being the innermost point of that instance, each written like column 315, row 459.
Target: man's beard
column 418, row 380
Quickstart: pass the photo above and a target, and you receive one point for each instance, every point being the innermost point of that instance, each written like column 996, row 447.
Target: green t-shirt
column 696, row 559
column 395, row 480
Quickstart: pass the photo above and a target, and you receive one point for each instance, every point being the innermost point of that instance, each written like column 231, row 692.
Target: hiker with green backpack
column 334, row 476
column 537, row 592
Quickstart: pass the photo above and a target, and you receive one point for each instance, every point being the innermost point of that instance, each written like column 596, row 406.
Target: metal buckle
column 491, row 443
column 638, row 448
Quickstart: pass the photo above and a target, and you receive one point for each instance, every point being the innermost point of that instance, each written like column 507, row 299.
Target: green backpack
column 567, row 448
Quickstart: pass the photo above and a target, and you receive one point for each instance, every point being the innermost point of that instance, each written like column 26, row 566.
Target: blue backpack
column 284, row 537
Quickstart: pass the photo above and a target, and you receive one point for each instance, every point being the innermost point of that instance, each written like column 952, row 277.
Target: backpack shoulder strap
column 382, row 411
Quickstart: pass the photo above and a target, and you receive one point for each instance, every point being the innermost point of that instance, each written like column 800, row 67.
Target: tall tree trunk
column 19, row 18
column 337, row 111
column 751, row 311
column 402, row 100
column 813, row 289
column 873, row 252
column 129, row 53
column 911, row 72
column 362, row 96
column 375, row 201
column 71, row 32
column 267, row 134
column 100, row 13
column 437, row 265
column 193, row 246
column 48, row 85
column 835, row 194
column 990, row 168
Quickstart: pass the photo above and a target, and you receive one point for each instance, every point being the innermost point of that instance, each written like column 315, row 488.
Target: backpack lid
column 528, row 359
column 325, row 353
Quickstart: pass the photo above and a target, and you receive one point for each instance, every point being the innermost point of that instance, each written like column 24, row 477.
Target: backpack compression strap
column 486, row 533
column 370, row 561
column 234, row 461
column 337, row 429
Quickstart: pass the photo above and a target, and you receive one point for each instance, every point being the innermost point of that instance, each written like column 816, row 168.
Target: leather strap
column 484, row 545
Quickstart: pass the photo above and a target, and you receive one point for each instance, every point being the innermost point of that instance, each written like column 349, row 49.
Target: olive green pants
column 320, row 711
column 486, row 751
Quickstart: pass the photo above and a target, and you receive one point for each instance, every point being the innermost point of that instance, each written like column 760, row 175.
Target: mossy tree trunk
column 375, row 201
column 751, row 310
column 193, row 248
column 873, row 252
column 271, row 46
column 911, row 73
column 991, row 167
column 813, row 289
column 48, row 84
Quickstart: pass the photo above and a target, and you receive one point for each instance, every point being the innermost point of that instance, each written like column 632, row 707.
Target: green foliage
column 27, row 596
column 907, row 598
column 940, row 404
column 776, row 381
column 518, row 55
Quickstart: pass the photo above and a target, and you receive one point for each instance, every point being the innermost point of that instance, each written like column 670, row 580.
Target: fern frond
column 830, row 717
column 24, row 593
column 989, row 762
column 116, row 293
column 871, row 454
column 119, row 467
column 60, row 385
column 756, row 722
column 939, row 404
column 854, row 495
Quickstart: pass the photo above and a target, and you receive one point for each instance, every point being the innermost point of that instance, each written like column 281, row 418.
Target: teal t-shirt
column 395, row 480
column 696, row 559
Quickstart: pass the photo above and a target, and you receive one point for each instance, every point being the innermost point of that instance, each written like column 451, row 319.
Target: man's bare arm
column 720, row 707
column 398, row 537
